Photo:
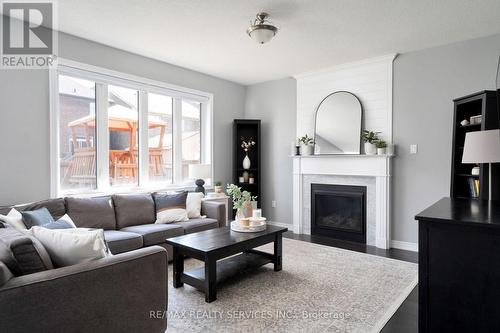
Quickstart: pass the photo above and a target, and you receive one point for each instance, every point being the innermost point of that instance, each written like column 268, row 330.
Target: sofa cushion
column 22, row 254
column 56, row 207
column 92, row 212
column 153, row 234
column 121, row 241
column 195, row 225
column 134, row 209
column 39, row 217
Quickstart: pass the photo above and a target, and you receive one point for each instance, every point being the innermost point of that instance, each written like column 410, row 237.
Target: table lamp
column 482, row 147
column 200, row 172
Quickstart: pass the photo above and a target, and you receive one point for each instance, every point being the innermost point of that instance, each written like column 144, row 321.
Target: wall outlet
column 273, row 203
column 413, row 148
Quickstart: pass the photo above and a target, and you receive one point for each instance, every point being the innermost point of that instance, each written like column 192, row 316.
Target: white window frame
column 102, row 78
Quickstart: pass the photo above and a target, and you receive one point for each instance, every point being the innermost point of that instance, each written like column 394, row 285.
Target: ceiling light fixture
column 261, row 30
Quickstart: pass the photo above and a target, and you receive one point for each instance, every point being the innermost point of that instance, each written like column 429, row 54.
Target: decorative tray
column 256, row 226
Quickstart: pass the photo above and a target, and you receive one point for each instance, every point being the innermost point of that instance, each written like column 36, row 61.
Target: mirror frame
column 316, row 118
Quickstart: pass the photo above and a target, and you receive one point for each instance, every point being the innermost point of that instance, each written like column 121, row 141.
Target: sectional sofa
column 128, row 220
column 126, row 292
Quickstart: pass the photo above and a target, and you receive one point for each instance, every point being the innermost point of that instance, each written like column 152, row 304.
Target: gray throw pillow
column 22, row 254
column 30, row 255
column 39, row 217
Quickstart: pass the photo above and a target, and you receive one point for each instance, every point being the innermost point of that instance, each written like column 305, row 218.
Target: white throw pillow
column 71, row 246
column 14, row 219
column 193, row 204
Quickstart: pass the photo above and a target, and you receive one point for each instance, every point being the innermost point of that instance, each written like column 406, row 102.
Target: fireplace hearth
column 339, row 211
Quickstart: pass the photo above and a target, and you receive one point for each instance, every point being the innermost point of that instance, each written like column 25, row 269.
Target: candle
column 257, row 213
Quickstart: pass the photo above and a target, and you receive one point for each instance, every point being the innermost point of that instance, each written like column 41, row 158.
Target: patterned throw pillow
column 170, row 207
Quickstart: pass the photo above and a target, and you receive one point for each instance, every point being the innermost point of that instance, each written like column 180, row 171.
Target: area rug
column 320, row 289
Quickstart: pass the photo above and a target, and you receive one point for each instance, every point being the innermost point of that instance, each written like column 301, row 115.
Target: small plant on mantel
column 307, row 145
column 218, row 187
column 306, row 140
column 370, row 138
column 381, row 147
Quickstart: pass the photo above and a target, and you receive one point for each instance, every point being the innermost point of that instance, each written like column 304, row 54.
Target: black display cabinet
column 246, row 129
column 463, row 184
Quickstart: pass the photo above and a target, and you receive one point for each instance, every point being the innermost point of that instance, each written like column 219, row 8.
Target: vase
column 239, row 215
column 380, row 151
column 246, row 162
column 370, row 148
column 306, row 150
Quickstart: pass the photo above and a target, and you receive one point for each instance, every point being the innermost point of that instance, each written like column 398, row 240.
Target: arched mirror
column 338, row 124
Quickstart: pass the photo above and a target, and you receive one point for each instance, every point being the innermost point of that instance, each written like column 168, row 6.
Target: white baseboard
column 280, row 224
column 408, row 246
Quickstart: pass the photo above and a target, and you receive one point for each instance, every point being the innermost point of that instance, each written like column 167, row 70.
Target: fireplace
column 339, row 211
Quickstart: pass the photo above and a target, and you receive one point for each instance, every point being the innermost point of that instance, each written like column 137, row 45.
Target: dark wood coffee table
column 212, row 246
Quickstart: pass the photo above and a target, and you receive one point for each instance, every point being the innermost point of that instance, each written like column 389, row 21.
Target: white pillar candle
column 257, row 213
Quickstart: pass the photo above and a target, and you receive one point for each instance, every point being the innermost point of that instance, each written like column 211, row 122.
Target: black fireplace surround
column 339, row 211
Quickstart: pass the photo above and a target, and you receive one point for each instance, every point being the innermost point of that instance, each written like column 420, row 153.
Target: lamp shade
column 200, row 171
column 482, row 147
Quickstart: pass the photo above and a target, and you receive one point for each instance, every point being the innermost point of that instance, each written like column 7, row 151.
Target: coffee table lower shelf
column 228, row 267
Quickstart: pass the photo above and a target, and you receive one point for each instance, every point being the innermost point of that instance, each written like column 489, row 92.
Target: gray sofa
column 126, row 292
column 127, row 219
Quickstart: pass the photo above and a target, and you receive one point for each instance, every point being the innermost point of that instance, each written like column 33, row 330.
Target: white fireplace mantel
column 377, row 166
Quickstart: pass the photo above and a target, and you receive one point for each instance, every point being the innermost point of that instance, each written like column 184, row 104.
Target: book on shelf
column 473, row 187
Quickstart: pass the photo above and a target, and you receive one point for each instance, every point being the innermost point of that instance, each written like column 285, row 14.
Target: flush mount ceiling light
column 261, row 30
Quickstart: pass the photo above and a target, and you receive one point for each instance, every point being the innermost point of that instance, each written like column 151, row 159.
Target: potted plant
column 241, row 201
column 381, row 146
column 307, row 145
column 218, row 187
column 370, row 139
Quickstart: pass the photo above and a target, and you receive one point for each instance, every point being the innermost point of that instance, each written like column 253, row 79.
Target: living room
column 258, row 166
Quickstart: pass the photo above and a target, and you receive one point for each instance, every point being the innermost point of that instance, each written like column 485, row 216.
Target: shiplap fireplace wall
column 371, row 81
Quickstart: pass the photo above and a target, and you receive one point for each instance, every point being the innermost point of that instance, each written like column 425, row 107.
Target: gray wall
column 275, row 104
column 24, row 114
column 425, row 83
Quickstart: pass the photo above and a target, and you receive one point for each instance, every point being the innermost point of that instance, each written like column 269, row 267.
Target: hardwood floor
column 405, row 320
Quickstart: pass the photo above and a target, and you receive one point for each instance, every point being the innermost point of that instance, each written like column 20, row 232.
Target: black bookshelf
column 247, row 128
column 483, row 103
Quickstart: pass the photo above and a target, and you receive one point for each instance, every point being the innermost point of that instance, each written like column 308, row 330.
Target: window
column 77, row 153
column 120, row 131
column 160, row 138
column 123, row 121
column 191, row 135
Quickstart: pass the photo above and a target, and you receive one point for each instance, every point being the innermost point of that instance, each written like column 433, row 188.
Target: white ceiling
column 209, row 35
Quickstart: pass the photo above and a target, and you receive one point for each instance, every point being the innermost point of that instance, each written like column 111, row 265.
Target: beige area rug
column 320, row 289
